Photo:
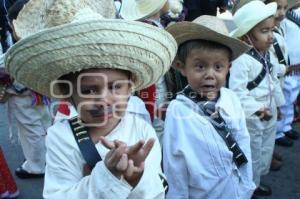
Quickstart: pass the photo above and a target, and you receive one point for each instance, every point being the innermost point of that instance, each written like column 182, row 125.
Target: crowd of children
column 150, row 105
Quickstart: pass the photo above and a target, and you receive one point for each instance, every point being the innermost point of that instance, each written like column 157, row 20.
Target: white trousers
column 262, row 140
column 31, row 123
column 291, row 88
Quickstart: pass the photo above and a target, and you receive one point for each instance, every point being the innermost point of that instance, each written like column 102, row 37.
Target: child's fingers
column 118, row 143
column 130, row 168
column 116, row 155
column 123, row 163
column 140, row 168
column 135, row 148
column 106, row 143
column 148, row 146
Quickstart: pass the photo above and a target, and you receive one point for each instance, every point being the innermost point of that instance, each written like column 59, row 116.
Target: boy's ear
column 179, row 65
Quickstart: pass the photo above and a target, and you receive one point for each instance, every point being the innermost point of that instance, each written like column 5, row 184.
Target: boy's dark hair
column 269, row 1
column 185, row 49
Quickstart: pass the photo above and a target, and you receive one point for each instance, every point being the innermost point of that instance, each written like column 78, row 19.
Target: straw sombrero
column 245, row 20
column 142, row 49
column 40, row 14
column 140, row 9
column 208, row 28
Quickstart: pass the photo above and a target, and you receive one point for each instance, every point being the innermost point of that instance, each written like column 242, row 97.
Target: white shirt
column 245, row 69
column 64, row 169
column 292, row 32
column 197, row 162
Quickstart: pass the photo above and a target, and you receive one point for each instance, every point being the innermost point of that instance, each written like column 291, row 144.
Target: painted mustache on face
column 96, row 112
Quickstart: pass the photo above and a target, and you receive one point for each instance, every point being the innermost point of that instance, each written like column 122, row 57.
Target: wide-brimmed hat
column 140, row 9
column 208, row 28
column 144, row 50
column 38, row 15
column 250, row 14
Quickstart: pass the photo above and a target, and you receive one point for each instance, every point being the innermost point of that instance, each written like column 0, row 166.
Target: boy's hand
column 116, row 160
column 138, row 153
column 136, row 156
column 264, row 114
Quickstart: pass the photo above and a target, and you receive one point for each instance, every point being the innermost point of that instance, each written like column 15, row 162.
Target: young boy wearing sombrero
column 95, row 64
column 206, row 148
column 255, row 81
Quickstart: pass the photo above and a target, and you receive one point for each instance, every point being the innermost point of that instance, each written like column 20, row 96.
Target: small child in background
column 155, row 96
column 291, row 85
column 254, row 80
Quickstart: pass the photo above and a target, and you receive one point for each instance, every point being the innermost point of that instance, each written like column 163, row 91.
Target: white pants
column 262, row 140
column 31, row 123
column 291, row 88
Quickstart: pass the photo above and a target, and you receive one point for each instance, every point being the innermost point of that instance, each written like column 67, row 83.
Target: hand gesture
column 131, row 164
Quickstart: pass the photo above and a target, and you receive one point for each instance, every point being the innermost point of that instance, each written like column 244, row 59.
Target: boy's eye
column 115, row 86
column 219, row 66
column 199, row 66
column 88, row 92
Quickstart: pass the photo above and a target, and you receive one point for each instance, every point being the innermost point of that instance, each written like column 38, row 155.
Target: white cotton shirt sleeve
column 239, row 78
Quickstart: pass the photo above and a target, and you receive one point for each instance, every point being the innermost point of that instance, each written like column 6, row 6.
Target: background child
column 291, row 85
column 256, row 84
column 200, row 155
column 155, row 96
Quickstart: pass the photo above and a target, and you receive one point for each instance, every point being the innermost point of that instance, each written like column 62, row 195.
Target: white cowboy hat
column 140, row 9
column 208, row 28
column 144, row 50
column 250, row 14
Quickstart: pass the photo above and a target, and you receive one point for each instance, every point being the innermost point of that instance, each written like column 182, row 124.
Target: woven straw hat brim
column 143, row 49
column 246, row 25
column 131, row 10
column 185, row 31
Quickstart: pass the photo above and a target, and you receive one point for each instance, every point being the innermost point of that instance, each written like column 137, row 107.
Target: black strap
column 164, row 183
column 205, row 109
column 278, row 52
column 85, row 143
column 292, row 16
column 88, row 149
column 266, row 64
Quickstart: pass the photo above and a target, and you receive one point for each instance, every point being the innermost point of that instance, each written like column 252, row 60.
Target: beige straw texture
column 143, row 49
column 208, row 28
column 38, row 15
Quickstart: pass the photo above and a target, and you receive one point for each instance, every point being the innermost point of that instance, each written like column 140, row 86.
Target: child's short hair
column 185, row 49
